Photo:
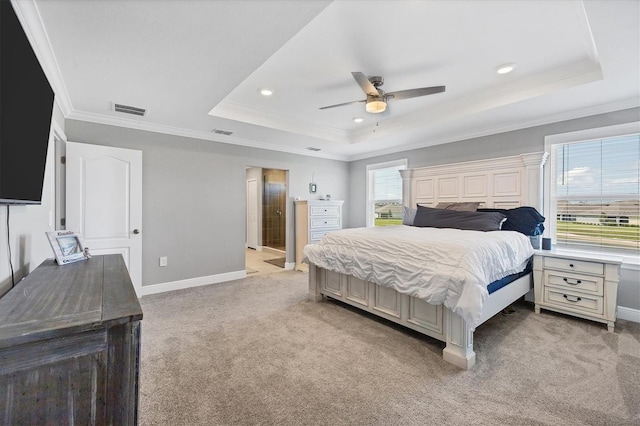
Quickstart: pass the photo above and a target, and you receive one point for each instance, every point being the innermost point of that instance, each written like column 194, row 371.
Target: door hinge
column 63, row 159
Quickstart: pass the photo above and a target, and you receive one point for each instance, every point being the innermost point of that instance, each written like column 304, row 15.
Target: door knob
column 136, row 231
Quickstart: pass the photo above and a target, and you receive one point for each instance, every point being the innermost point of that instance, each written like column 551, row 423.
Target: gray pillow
column 442, row 218
column 408, row 215
column 461, row 207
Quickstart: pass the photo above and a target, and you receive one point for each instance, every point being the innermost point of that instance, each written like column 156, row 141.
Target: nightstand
column 578, row 284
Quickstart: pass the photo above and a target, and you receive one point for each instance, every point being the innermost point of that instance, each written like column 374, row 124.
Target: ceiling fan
column 376, row 101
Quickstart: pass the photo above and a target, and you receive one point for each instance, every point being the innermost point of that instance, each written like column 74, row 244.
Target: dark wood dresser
column 70, row 345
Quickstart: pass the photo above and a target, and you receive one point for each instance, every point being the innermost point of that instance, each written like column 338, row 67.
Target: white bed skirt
column 435, row 321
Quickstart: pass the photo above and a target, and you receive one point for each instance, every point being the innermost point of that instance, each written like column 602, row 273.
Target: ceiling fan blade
column 365, row 84
column 414, row 93
column 343, row 104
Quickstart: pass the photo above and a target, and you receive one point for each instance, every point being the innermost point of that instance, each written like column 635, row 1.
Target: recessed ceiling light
column 266, row 92
column 505, row 68
column 358, row 119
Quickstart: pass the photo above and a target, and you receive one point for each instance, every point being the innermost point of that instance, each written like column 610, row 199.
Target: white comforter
column 441, row 266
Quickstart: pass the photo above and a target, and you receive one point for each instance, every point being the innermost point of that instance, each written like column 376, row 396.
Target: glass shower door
column 274, row 209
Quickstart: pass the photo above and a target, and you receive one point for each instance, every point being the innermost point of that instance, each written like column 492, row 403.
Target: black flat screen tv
column 26, row 105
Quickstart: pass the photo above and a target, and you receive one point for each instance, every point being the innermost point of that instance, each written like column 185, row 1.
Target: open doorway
column 274, row 209
column 266, row 217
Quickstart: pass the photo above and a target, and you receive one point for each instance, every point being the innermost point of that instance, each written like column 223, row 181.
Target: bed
column 341, row 268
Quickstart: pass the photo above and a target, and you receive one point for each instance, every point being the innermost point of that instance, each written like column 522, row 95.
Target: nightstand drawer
column 325, row 222
column 324, row 211
column 570, row 281
column 574, row 265
column 577, row 301
column 316, row 236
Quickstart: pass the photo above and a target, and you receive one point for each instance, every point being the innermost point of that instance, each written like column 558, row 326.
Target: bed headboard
column 504, row 182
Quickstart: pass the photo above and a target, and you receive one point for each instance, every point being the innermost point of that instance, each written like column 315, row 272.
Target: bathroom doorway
column 266, row 220
column 274, row 209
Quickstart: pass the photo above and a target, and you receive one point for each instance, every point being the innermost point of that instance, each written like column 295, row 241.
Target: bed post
column 406, row 188
column 314, row 286
column 459, row 349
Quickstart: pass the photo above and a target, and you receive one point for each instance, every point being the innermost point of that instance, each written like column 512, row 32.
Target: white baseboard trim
column 289, row 266
column 628, row 314
column 192, row 282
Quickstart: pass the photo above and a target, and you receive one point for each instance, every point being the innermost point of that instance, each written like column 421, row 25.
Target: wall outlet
column 163, row 261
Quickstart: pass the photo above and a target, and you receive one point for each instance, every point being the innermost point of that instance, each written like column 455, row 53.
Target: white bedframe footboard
column 435, row 321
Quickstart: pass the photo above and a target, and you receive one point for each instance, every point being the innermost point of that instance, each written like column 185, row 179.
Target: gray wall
column 498, row 145
column 194, row 197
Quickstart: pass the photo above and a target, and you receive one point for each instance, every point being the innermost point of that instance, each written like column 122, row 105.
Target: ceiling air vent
column 222, row 132
column 127, row 109
column 310, row 148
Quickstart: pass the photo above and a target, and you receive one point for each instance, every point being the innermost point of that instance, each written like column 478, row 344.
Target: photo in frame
column 67, row 246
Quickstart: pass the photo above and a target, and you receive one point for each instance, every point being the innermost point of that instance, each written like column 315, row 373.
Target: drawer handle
column 577, row 299
column 571, row 265
column 566, row 280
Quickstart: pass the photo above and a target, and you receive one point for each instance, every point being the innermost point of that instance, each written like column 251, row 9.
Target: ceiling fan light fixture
column 375, row 104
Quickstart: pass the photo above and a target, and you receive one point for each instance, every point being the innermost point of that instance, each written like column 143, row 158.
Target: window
column 593, row 179
column 384, row 193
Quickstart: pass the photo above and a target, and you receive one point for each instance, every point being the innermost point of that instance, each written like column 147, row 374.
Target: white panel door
column 252, row 213
column 104, row 201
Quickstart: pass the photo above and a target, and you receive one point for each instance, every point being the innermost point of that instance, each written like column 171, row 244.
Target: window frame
column 549, row 210
column 370, row 216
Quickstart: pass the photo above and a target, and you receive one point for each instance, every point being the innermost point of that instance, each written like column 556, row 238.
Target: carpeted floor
column 255, row 351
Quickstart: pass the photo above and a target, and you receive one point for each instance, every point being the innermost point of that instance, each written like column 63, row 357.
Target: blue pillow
column 526, row 220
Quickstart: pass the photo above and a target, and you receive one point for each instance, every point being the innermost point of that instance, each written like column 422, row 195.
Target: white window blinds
column 384, row 196
column 596, row 193
column 387, row 184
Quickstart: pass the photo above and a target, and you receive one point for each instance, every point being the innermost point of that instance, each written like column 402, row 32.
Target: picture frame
column 67, row 246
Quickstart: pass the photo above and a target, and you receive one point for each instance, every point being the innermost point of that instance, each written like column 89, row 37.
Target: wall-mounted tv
column 26, row 105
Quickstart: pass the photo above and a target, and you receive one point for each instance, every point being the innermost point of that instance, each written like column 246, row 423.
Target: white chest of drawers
column 577, row 284
column 314, row 219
